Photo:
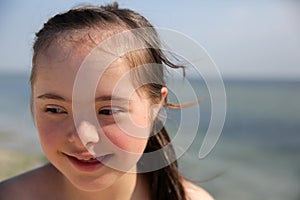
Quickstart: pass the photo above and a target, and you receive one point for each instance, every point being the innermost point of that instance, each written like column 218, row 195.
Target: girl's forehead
column 75, row 55
column 64, row 57
column 60, row 61
column 60, row 79
column 57, row 63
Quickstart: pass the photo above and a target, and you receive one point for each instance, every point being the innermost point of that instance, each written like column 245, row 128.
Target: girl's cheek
column 124, row 141
column 50, row 130
column 48, row 137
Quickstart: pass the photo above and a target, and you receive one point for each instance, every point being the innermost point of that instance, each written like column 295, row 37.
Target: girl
column 102, row 159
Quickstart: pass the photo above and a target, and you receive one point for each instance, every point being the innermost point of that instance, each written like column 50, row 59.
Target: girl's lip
column 88, row 163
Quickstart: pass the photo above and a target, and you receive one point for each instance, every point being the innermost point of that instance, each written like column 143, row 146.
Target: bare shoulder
column 195, row 192
column 29, row 185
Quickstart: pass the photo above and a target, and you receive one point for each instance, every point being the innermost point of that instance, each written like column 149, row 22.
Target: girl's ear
column 164, row 93
column 155, row 108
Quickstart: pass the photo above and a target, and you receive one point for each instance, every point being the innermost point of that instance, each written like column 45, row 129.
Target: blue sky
column 246, row 39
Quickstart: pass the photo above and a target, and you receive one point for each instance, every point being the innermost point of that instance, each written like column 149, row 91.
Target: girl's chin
column 89, row 184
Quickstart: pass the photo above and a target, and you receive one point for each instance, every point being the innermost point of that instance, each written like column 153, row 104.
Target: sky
column 246, row 39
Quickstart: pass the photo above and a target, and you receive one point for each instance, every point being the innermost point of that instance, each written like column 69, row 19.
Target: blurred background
column 256, row 46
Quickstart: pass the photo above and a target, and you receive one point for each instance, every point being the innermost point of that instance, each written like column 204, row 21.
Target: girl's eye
column 55, row 110
column 109, row 111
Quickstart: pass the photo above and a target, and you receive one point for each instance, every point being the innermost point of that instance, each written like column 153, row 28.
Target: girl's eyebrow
column 112, row 98
column 51, row 96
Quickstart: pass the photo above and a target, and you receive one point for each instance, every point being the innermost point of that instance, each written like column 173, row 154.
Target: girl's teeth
column 91, row 160
column 86, row 159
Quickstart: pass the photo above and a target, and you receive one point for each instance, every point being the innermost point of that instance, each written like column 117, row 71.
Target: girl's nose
column 87, row 133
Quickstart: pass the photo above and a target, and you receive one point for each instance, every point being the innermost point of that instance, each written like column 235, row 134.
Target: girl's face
column 73, row 148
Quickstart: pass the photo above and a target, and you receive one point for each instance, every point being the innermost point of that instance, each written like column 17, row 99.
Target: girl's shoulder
column 30, row 185
column 195, row 192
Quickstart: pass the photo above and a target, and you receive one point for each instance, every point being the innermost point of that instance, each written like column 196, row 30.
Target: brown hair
column 166, row 183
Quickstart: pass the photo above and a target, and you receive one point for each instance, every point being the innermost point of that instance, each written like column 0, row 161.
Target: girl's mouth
column 88, row 164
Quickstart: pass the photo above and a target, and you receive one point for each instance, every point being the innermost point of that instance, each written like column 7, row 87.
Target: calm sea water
column 257, row 156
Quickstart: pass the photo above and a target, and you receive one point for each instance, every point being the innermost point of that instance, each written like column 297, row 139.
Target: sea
column 257, row 156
